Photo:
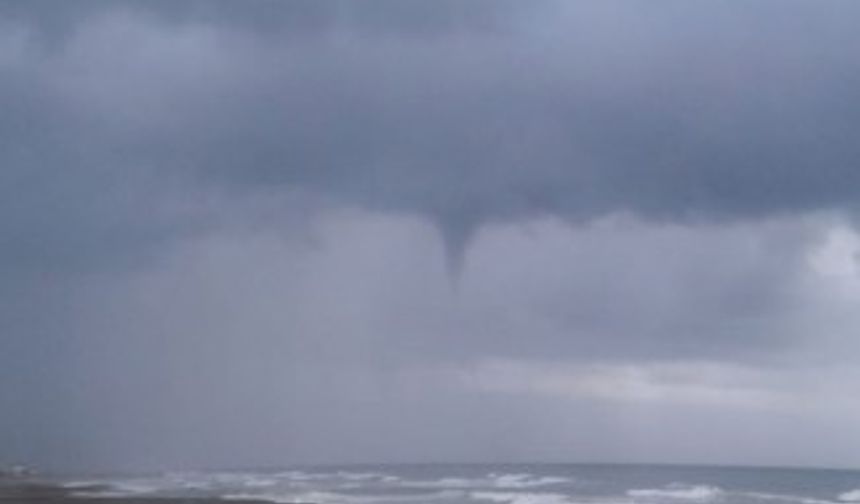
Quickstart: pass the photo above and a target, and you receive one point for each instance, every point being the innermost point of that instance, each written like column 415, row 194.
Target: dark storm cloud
column 126, row 127
column 296, row 18
column 466, row 112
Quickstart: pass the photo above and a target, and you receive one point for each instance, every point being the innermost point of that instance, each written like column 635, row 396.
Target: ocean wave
column 348, row 475
column 362, row 476
column 321, row 497
column 677, row 491
column 169, row 484
column 524, row 480
column 317, row 487
column 116, row 489
column 303, row 476
column 851, row 496
column 510, row 481
column 71, row 485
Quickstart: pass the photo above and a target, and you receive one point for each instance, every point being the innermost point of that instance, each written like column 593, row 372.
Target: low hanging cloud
column 697, row 383
column 244, row 213
column 480, row 112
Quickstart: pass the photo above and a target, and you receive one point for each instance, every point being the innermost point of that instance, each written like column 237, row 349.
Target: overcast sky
column 259, row 233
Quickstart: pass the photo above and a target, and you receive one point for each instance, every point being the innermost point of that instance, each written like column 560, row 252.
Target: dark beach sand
column 29, row 492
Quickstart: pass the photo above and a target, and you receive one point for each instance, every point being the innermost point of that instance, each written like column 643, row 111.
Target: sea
column 493, row 484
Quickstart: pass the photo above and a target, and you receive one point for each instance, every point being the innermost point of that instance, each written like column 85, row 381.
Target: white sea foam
column 115, row 488
column 678, row 491
column 193, row 483
column 445, row 483
column 524, row 480
column 303, row 476
column 308, row 497
column 520, row 497
column 852, row 496
column 259, row 482
column 511, row 481
column 81, row 484
column 170, row 484
column 320, row 497
column 210, row 481
column 360, row 476
column 457, row 482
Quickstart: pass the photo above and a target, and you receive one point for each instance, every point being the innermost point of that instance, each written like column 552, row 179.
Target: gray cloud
column 467, row 126
column 226, row 210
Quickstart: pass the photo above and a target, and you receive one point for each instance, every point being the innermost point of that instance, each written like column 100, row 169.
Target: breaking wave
column 852, row 496
column 511, row 481
column 677, row 491
column 117, row 489
column 338, row 498
column 524, row 480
